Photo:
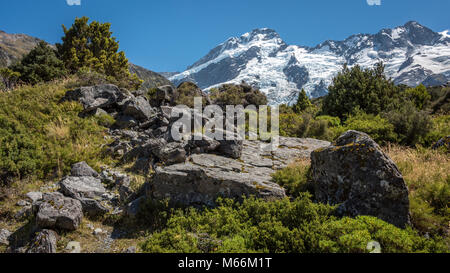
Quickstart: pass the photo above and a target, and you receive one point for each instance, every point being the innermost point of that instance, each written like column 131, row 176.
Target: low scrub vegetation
column 284, row 226
column 39, row 136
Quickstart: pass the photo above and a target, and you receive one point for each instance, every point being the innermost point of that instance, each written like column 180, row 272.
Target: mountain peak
column 412, row 53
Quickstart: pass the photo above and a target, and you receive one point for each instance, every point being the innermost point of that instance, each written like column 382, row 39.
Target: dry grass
column 420, row 166
column 427, row 175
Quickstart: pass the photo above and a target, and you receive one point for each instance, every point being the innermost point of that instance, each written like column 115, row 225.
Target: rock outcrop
column 55, row 211
column 88, row 190
column 205, row 177
column 355, row 173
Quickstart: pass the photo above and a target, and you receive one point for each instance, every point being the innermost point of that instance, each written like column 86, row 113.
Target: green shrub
column 187, row 91
column 40, row 65
column 232, row 94
column 295, row 179
column 419, row 95
column 410, row 125
column 440, row 129
column 377, row 127
column 283, row 226
column 8, row 78
column 41, row 137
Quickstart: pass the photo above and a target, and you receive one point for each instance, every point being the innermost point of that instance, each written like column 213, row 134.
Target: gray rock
column 93, row 97
column 131, row 249
column 166, row 95
column 44, row 242
column 125, row 122
column 355, row 173
column 73, row 247
column 125, row 190
column 172, row 153
column 24, row 212
column 4, row 236
column 83, row 169
column 204, row 177
column 138, row 108
column 34, row 196
column 203, row 145
column 231, row 148
column 133, row 207
column 82, row 187
column 23, row 203
column 58, row 212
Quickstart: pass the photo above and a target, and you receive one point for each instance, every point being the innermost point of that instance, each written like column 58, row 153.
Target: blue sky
column 168, row 35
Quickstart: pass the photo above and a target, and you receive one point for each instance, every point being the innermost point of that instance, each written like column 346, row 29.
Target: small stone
column 34, row 196
column 131, row 249
column 98, row 231
column 4, row 236
column 73, row 247
column 23, row 203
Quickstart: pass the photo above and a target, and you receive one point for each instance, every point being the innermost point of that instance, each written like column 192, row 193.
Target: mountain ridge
column 413, row 54
column 14, row 46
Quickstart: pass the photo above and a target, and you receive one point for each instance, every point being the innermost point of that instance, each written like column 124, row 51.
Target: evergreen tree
column 92, row 46
column 357, row 88
column 40, row 65
column 303, row 102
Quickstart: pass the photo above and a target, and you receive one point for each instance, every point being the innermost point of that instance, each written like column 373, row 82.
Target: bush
column 410, row 125
column 40, row 65
column 295, row 179
column 41, row 137
column 232, row 94
column 419, row 95
column 187, row 91
column 283, row 226
column 376, row 127
column 8, row 78
column 440, row 129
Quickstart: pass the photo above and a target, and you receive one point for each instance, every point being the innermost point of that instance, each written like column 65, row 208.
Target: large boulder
column 55, row 211
column 44, row 242
column 205, row 177
column 93, row 97
column 83, row 169
column 355, row 173
column 138, row 108
column 88, row 190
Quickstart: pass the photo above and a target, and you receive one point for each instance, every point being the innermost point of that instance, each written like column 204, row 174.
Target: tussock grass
column 427, row 175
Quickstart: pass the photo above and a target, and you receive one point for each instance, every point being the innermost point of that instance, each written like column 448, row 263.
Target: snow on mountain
column 412, row 53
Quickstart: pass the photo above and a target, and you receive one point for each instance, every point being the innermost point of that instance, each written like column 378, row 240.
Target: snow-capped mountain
column 412, row 53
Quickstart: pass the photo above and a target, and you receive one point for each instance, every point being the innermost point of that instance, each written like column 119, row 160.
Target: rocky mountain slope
column 413, row 54
column 151, row 79
column 14, row 46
